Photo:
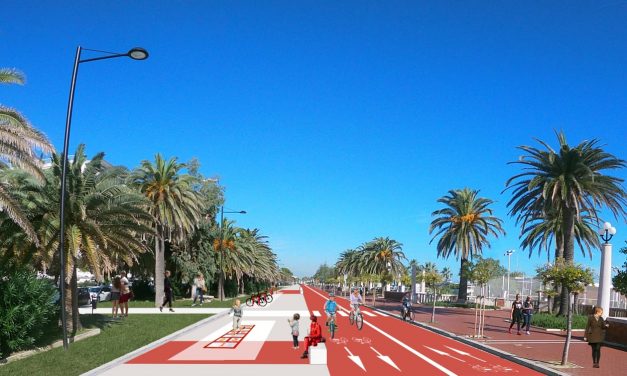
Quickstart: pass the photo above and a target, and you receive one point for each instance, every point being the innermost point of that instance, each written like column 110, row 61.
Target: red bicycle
column 258, row 299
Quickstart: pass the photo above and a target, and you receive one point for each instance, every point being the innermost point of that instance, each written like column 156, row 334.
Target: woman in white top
column 199, row 288
column 115, row 295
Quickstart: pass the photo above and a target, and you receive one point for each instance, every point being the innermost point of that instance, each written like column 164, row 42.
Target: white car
column 100, row 293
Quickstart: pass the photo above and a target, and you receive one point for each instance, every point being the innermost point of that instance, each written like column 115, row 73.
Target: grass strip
column 116, row 339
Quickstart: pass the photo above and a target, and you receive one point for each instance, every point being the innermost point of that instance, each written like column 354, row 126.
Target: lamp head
column 138, row 53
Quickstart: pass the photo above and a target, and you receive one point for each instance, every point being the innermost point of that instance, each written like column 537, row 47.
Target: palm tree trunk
column 71, row 304
column 569, row 253
column 159, row 266
column 462, row 294
column 221, row 286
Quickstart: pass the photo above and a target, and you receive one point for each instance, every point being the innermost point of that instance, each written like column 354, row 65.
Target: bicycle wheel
column 332, row 328
column 268, row 298
column 250, row 302
column 359, row 321
column 262, row 301
column 411, row 315
column 351, row 318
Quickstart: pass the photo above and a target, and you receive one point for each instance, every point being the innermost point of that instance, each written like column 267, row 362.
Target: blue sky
column 330, row 122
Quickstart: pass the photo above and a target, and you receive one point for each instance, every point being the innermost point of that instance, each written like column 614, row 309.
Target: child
column 237, row 314
column 294, row 325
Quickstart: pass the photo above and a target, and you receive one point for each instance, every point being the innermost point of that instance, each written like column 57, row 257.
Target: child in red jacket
column 314, row 337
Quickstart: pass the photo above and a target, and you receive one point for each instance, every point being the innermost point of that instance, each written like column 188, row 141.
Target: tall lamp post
column 509, row 257
column 222, row 279
column 136, row 53
column 605, row 276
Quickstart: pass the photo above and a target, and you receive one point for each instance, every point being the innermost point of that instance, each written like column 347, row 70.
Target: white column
column 605, row 279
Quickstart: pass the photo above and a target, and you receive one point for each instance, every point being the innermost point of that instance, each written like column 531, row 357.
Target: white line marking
column 403, row 345
column 342, row 313
column 382, row 314
column 464, row 353
column 317, row 313
column 368, row 314
column 444, row 353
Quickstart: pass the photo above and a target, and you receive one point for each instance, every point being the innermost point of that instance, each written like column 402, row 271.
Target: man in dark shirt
column 167, row 289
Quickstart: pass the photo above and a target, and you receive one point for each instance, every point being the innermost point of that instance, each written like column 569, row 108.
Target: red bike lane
column 388, row 346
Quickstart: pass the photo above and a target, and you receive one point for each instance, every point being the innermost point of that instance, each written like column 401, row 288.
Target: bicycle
column 407, row 313
column 256, row 299
column 267, row 296
column 355, row 317
column 332, row 326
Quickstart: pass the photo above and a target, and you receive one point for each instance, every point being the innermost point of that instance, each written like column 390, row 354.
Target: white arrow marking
column 355, row 359
column 465, row 353
column 445, row 354
column 386, row 359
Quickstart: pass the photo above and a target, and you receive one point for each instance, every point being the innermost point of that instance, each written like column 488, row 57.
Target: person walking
column 167, row 289
column 115, row 296
column 517, row 315
column 595, row 334
column 236, row 310
column 294, row 325
column 527, row 314
column 125, row 294
column 199, row 289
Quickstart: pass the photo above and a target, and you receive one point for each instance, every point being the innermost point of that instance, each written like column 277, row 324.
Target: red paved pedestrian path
column 541, row 346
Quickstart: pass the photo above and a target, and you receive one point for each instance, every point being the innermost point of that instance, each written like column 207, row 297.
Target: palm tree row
column 114, row 217
column 381, row 257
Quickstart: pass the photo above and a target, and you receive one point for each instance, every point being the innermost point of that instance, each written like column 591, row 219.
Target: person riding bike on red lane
column 355, row 300
column 314, row 337
column 330, row 307
column 405, row 303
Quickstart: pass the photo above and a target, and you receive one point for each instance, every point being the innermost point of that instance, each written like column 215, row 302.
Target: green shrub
column 27, row 307
column 143, row 290
column 546, row 320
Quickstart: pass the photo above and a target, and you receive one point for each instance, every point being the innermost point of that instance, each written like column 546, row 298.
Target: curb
column 494, row 351
column 160, row 341
column 28, row 353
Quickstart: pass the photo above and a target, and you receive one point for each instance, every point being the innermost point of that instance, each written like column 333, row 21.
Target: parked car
column 84, row 297
column 100, row 293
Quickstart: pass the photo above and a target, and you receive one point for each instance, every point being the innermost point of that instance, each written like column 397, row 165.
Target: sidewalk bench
column 318, row 354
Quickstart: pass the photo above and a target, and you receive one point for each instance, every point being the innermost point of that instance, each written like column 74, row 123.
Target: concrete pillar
column 605, row 279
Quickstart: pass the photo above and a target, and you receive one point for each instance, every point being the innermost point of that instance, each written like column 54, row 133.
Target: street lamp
column 509, row 256
column 605, row 278
column 136, row 53
column 221, row 292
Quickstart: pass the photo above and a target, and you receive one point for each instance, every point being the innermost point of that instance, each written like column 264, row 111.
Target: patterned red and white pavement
column 384, row 346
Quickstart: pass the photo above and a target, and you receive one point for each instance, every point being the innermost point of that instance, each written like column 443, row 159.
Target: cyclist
column 405, row 303
column 355, row 300
column 330, row 307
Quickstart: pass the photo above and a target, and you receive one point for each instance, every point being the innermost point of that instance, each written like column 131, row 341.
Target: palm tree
column 263, row 262
column 103, row 225
column 174, row 206
column 463, row 227
column 446, row 274
column 19, row 143
column 568, row 184
column 383, row 257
